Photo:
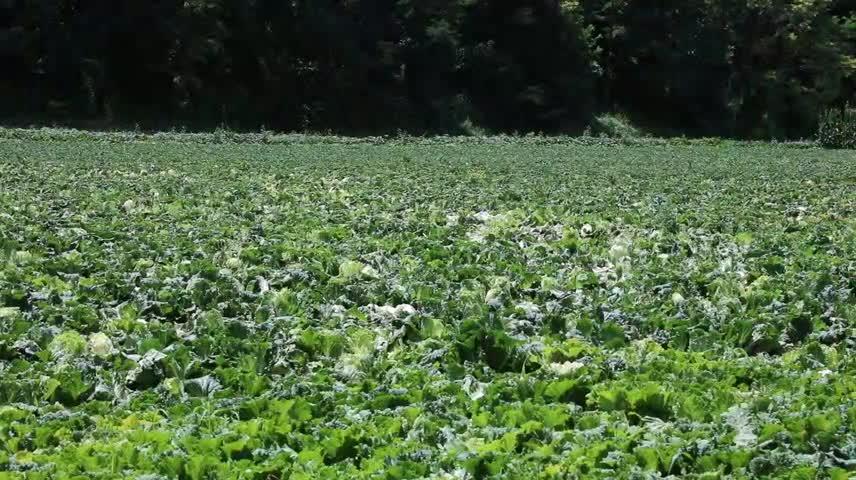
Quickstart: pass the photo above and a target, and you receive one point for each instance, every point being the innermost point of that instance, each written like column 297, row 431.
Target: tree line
column 735, row 68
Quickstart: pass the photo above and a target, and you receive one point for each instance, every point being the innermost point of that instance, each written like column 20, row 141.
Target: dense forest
column 735, row 68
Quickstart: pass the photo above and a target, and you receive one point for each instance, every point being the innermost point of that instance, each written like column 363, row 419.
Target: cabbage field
column 447, row 309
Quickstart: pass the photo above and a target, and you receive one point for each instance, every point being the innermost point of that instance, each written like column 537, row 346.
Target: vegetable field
column 449, row 310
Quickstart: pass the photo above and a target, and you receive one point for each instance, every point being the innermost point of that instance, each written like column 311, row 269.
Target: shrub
column 837, row 128
column 615, row 125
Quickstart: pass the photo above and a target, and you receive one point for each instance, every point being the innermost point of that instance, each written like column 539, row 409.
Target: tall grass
column 837, row 128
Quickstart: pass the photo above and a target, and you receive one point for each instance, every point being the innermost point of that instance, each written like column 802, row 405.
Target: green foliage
column 698, row 68
column 761, row 69
column 304, row 307
column 837, row 128
column 357, row 67
column 67, row 345
column 614, row 126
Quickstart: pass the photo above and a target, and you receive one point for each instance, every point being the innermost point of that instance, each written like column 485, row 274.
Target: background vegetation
column 745, row 69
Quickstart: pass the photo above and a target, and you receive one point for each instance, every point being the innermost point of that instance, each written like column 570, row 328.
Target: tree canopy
column 738, row 68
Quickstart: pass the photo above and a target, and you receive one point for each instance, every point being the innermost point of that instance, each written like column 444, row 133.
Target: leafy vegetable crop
column 409, row 310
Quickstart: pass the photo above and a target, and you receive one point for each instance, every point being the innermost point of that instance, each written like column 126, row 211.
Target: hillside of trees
column 733, row 68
